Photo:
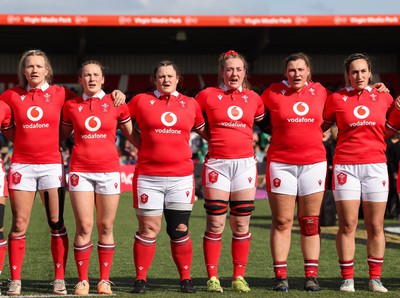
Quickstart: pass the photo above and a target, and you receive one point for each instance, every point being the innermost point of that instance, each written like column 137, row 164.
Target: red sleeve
column 132, row 104
column 69, row 94
column 123, row 114
column 329, row 115
column 201, row 98
column 6, row 116
column 199, row 119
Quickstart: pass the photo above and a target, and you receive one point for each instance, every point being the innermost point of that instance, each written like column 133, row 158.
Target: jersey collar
column 349, row 88
column 225, row 88
column 286, row 83
column 43, row 87
column 98, row 95
column 158, row 94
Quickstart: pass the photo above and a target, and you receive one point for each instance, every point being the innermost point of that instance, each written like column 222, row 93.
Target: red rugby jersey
column 230, row 115
column 296, row 119
column 361, row 121
column 37, row 115
column 165, row 123
column 95, row 122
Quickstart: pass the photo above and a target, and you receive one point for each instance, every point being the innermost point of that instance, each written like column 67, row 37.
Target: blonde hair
column 22, row 81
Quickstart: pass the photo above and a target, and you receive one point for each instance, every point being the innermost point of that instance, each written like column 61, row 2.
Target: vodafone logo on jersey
column 235, row 112
column 361, row 112
column 34, row 113
column 169, row 119
column 92, row 123
column 301, row 108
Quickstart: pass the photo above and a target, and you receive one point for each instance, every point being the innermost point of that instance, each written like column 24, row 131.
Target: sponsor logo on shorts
column 341, row 178
column 187, row 193
column 144, row 198
column 319, row 182
column 213, row 176
column 74, row 180
column 16, row 178
column 250, row 179
column 384, row 183
column 276, row 182
column 116, row 185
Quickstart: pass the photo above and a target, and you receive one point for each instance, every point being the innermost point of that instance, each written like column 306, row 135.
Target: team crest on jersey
column 169, row 119
column 245, row 98
column 183, row 104
column 144, row 198
column 301, row 108
column 16, row 178
column 105, row 107
column 235, row 112
column 312, row 91
column 373, row 97
column 345, row 97
column 74, row 180
column 361, row 112
column 276, row 182
column 34, row 113
column 341, row 178
column 213, row 176
column 152, row 102
column 22, row 97
column 219, row 96
column 47, row 96
column 92, row 123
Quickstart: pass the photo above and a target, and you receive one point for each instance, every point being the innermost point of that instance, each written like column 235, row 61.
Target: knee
column 177, row 223
column 348, row 227
column 84, row 228
column 105, row 228
column 282, row 223
column 19, row 225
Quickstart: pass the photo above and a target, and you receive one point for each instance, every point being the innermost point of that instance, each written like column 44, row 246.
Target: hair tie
column 231, row 52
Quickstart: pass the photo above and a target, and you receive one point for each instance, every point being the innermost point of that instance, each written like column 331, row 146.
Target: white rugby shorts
column 100, row 183
column 156, row 193
column 33, row 177
column 295, row 180
column 230, row 175
column 367, row 181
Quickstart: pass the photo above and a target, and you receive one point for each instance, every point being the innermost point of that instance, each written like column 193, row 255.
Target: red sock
column 16, row 254
column 144, row 249
column 106, row 255
column 3, row 251
column 240, row 253
column 82, row 260
column 280, row 269
column 212, row 244
column 311, row 268
column 59, row 251
column 375, row 267
column 182, row 253
column 347, row 269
